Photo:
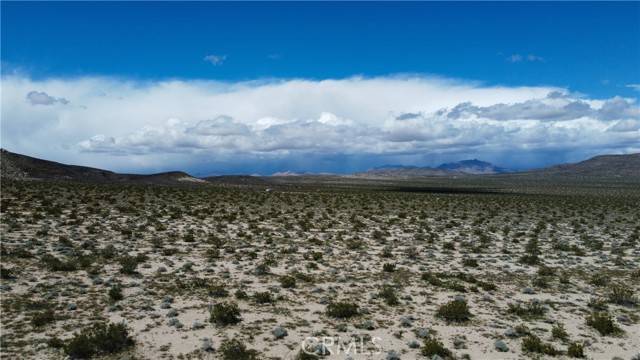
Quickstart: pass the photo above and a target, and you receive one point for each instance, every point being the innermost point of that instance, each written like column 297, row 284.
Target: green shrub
column 54, row 264
column 599, row 280
column 432, row 279
column 559, row 332
column 225, row 314
column 43, row 318
column 533, row 344
column 622, row 295
column 109, row 251
column 456, row 311
column 234, row 349
column 433, row 347
column 449, row 246
column 576, row 350
column 218, row 290
column 529, row 259
column 115, row 293
column 288, row 281
column 533, row 309
column 241, row 294
column 7, row 274
column 598, row 304
column 388, row 267
column 603, row 322
column 128, row 264
column 388, row 294
column 470, row 263
column 55, row 343
column 99, row 339
column 342, row 310
column 264, row 297
column 544, row 270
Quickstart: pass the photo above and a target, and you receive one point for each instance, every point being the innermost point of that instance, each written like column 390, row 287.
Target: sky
column 258, row 88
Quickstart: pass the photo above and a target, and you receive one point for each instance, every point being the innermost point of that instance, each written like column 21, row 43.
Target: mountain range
column 18, row 166
column 469, row 167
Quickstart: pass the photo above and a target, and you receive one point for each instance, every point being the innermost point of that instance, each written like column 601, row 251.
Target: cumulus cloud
column 554, row 107
column 215, row 59
column 42, row 98
column 123, row 124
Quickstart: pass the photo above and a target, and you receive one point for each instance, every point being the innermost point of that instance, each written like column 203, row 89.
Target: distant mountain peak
column 472, row 166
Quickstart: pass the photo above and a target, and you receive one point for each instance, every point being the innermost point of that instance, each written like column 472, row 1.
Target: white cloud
column 635, row 87
column 215, row 59
column 177, row 124
column 516, row 58
column 42, row 98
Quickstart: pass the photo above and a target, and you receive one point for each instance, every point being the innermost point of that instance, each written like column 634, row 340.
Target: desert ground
column 308, row 271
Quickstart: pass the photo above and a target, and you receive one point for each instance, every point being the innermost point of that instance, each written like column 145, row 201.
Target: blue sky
column 590, row 47
column 61, row 61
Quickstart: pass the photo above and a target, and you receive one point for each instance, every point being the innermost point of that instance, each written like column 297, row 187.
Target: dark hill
column 17, row 166
column 598, row 166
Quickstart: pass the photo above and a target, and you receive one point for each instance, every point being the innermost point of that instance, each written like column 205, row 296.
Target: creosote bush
column 603, row 322
column 388, row 294
column 559, row 332
column 99, row 339
column 264, row 297
column 115, row 293
column 389, row 267
column 128, row 264
column 455, row 311
column 576, row 350
column 225, row 314
column 43, row 318
column 234, row 349
column 288, row 281
column 533, row 309
column 622, row 295
column 533, row 344
column 342, row 310
column 433, row 347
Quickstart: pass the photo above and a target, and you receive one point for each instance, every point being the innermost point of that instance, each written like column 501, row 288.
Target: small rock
column 459, row 342
column 279, row 332
column 175, row 322
column 197, row 325
column 393, row 355
column 501, row 346
column 207, row 344
column 624, row 319
column 511, row 332
column 406, row 321
column 165, row 305
column 459, row 298
column 368, row 325
column 422, row 333
column 72, row 306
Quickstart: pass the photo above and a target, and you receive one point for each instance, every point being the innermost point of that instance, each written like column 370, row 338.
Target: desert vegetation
column 237, row 272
